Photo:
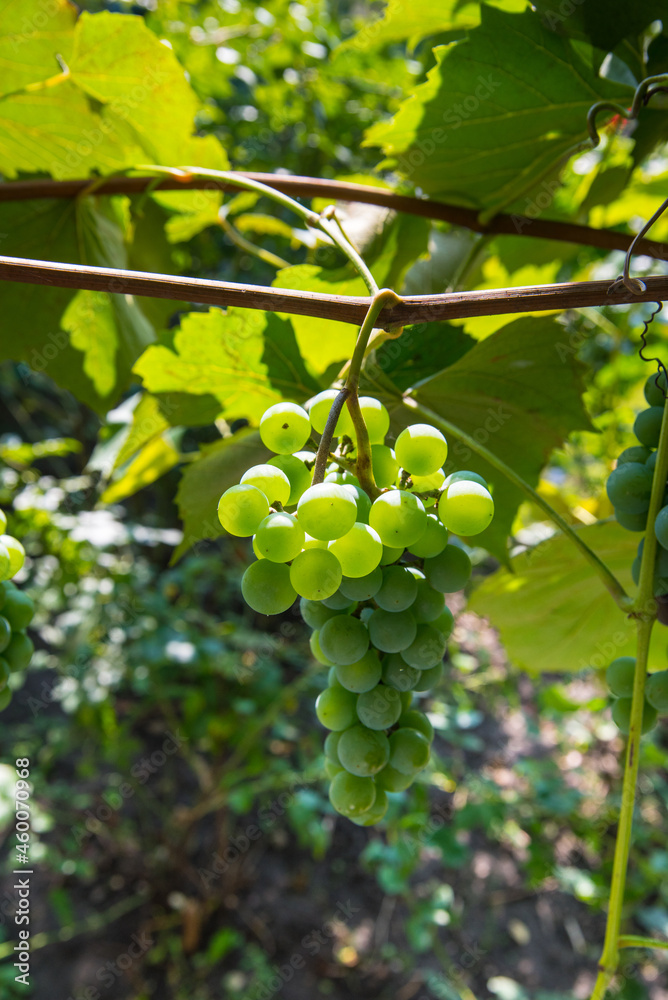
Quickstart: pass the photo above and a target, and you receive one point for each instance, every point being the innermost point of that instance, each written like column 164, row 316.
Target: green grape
column 332, row 769
column 409, row 751
column 339, row 602
column 466, row 508
column 406, row 700
column 651, row 461
column 362, row 588
column 319, row 408
column 344, row 640
column 621, row 716
column 298, row 475
column 4, row 673
column 285, row 428
column 620, row 675
column 432, row 541
column 5, row 698
column 466, row 477
column 399, row 589
column 5, row 563
column 3, row 522
column 421, row 449
column 359, row 551
column 266, row 587
column 655, row 388
column 315, row 613
column 422, row 484
column 269, row 480
column 379, row 708
column 391, row 780
column 313, row 543
column 351, row 795
column 256, row 551
column 390, row 555
column 427, row 648
column 363, row 751
column 632, row 522
column 5, row 633
column 375, row 813
column 331, row 744
column 399, row 518
column 316, row 651
column 376, row 418
column 343, row 478
column 391, row 631
column 636, row 453
column 17, row 554
column 412, row 719
column 429, row 679
column 445, row 622
column 326, row 511
column 384, row 465
column 361, row 676
column 315, row 574
column 449, row 571
column 647, row 426
column 362, row 500
column 241, row 509
column 18, row 653
column 429, row 604
column 279, row 537
column 332, row 679
column 661, row 527
column 365, row 614
column 629, row 487
column 335, row 708
column 397, row 674
column 656, row 691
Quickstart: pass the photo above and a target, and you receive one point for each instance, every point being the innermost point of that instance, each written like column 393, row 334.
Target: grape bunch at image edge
column 371, row 577
column 16, row 613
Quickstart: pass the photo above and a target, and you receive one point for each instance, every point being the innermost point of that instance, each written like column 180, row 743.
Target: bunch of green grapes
column 16, row 613
column 371, row 576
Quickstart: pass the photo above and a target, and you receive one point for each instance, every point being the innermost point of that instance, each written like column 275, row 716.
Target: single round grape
column 464, row 476
column 376, row 418
column 335, row 708
column 315, row 574
column 421, row 449
column 332, row 768
column 399, row 518
column 339, row 602
column 362, row 588
column 375, row 813
column 397, row 674
column 285, row 428
column 256, row 551
column 406, row 700
column 449, row 571
column 655, row 389
column 661, row 527
column 390, row 555
column 409, row 751
column 318, row 410
column 445, row 622
column 429, row 679
column 363, row 751
column 315, row 613
column 432, row 541
column 3, row 522
column 342, row 477
column 5, row 633
column 632, row 522
column 413, row 719
column 365, row 614
column 279, row 537
column 241, row 509
column 361, row 676
column 326, row 511
column 5, row 698
column 379, row 708
column 399, row 589
column 636, row 453
column 332, row 679
column 297, row 473
column 316, row 651
column 422, row 484
column 391, row 631
column 330, row 747
column 384, row 465
column 266, row 587
column 629, row 487
column 359, row 551
column 5, row 563
column 4, row 673
column 17, row 554
column 391, row 780
column 651, row 461
column 656, row 691
column 647, row 426
column 271, row 481
column 362, row 500
column 619, row 676
column 351, row 795
column 429, row 603
column 344, row 639
column 313, row 543
column 18, row 653
column 466, row 508
column 621, row 715
column 427, row 649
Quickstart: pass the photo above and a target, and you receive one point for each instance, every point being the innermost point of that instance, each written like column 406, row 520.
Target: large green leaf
column 153, row 461
column 247, row 360
column 605, row 23
column 494, row 120
column 421, row 349
column 31, row 32
column 518, row 395
column 552, row 610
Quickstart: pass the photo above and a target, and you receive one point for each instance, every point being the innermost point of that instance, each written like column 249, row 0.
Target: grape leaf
column 492, row 122
column 419, row 350
column 155, row 459
column 552, row 611
column 31, row 32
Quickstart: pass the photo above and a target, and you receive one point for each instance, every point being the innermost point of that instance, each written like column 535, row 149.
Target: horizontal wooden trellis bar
column 348, row 309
